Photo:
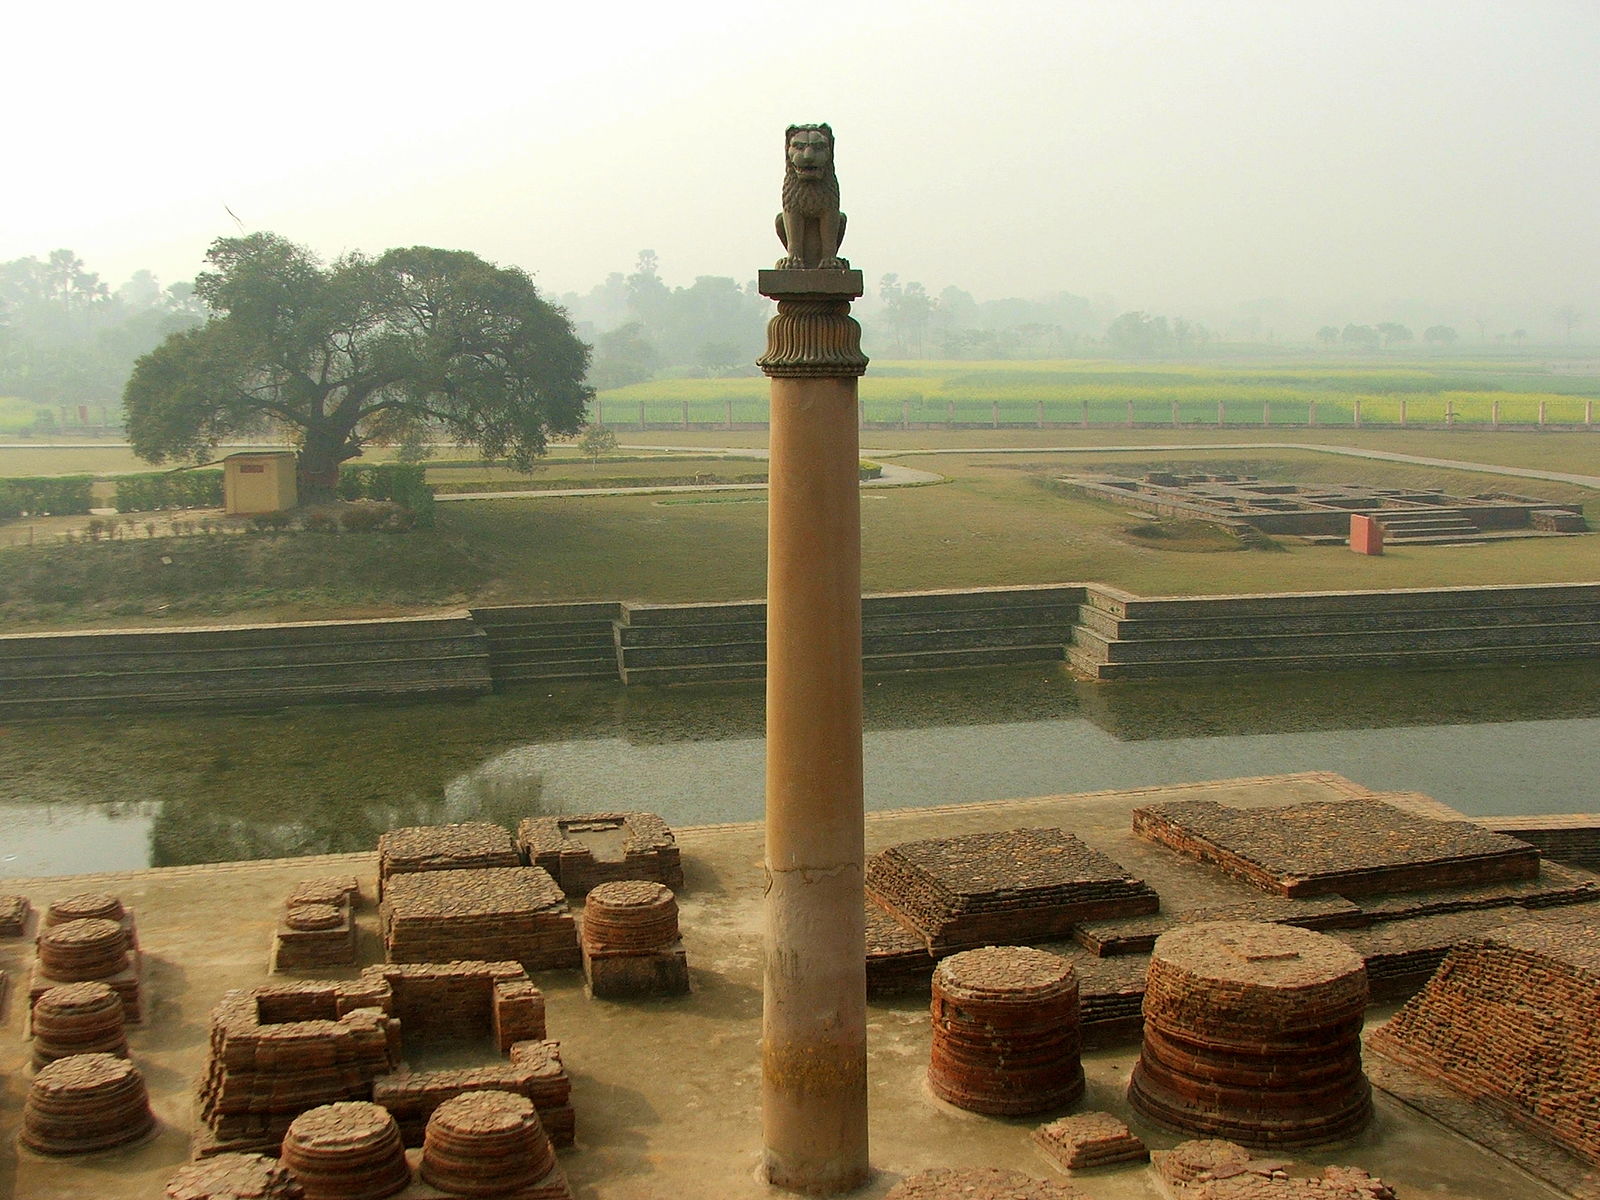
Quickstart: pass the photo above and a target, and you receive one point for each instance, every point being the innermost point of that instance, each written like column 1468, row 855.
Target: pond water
column 128, row 791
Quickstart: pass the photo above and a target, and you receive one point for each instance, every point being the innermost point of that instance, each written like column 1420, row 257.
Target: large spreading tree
column 362, row 350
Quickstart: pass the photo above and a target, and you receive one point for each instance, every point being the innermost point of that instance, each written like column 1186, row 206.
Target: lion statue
column 810, row 225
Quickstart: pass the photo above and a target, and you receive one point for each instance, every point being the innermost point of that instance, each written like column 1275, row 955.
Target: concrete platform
column 667, row 1091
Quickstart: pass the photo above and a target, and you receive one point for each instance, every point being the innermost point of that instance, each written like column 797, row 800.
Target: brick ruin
column 491, row 1144
column 348, row 1149
column 979, row 1183
column 85, row 1103
column 1091, row 1139
column 78, row 1018
column 484, row 913
column 1253, row 1032
column 234, row 1177
column 1017, row 885
column 465, row 846
column 318, row 926
column 90, row 937
column 1216, row 1169
column 1005, row 1031
column 1509, row 1022
column 281, row 1049
column 630, row 941
column 1350, row 847
column 583, row 850
column 16, row 913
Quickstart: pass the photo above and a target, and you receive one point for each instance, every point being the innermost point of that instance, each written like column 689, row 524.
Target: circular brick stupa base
column 78, row 1018
column 346, row 1151
column 1252, row 1032
column 83, row 907
column 630, row 915
column 486, row 1144
column 1005, row 1031
column 88, row 948
column 234, row 1177
column 85, row 1103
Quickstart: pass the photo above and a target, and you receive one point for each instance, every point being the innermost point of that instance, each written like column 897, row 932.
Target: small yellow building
column 259, row 482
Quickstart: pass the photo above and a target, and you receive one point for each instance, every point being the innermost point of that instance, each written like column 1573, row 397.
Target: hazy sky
column 1362, row 159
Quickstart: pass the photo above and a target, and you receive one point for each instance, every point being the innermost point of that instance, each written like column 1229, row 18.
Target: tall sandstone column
column 814, row 1047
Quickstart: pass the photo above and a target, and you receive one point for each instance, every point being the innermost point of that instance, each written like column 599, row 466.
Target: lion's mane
column 809, row 197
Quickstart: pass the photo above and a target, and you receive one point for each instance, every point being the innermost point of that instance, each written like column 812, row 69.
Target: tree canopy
column 362, row 350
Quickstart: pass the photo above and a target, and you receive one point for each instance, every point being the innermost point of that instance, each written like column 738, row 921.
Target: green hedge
column 45, row 495
column 169, row 489
column 403, row 483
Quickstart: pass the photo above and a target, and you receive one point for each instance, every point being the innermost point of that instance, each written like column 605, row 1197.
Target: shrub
column 320, row 520
column 46, row 495
column 870, row 469
column 169, row 489
column 372, row 516
column 403, row 483
column 272, row 522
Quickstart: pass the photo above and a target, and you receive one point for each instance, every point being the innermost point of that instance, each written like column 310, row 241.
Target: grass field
column 1467, row 391
column 994, row 522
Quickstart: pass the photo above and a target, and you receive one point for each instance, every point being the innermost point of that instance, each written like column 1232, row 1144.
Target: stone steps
column 241, row 667
column 533, row 642
column 900, row 632
column 1120, row 636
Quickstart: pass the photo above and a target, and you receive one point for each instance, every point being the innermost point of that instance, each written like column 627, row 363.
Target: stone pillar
column 814, row 1047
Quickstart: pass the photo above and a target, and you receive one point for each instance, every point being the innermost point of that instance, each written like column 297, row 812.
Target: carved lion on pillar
column 810, row 225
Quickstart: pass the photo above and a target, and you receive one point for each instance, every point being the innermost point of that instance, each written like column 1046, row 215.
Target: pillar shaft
column 814, row 1046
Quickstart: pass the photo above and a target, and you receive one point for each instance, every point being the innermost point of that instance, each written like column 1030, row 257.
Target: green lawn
column 993, row 523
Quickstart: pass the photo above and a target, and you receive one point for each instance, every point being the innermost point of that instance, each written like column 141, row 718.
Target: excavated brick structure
column 1092, row 1139
column 979, row 1183
column 78, row 1018
column 279, row 1050
column 1221, row 1170
column 318, row 926
column 346, row 1151
column 1509, row 1021
column 487, row 914
column 534, row 1071
column 1005, row 1031
column 84, row 1103
column 468, row 846
column 586, row 849
column 1352, row 847
column 234, row 1177
column 491, row 1144
column 1252, row 1032
column 15, row 913
column 630, row 941
column 1001, row 888
column 86, row 949
column 494, row 1000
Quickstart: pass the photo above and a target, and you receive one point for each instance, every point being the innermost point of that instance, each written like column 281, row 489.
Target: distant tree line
column 66, row 338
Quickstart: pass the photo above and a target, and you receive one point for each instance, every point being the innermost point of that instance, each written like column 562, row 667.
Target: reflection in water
column 85, row 795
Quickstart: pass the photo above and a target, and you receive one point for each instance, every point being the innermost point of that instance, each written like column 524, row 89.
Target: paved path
column 895, row 475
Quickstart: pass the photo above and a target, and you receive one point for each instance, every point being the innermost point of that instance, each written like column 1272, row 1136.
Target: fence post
column 1358, row 413
column 1130, row 414
column 641, row 416
column 1038, row 410
column 1541, row 414
column 949, row 414
column 730, row 414
column 1266, row 413
column 1449, row 413
column 1588, row 414
column 1311, row 414
column 686, row 414
column 1174, row 414
column 994, row 413
column 599, row 411
column 905, row 414
column 1222, row 414
column 1402, row 412
column 1084, row 420
column 1494, row 413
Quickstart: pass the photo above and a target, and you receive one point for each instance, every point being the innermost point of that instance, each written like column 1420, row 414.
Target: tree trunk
column 317, row 467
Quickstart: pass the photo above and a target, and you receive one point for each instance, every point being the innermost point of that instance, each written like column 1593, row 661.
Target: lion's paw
column 834, row 264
